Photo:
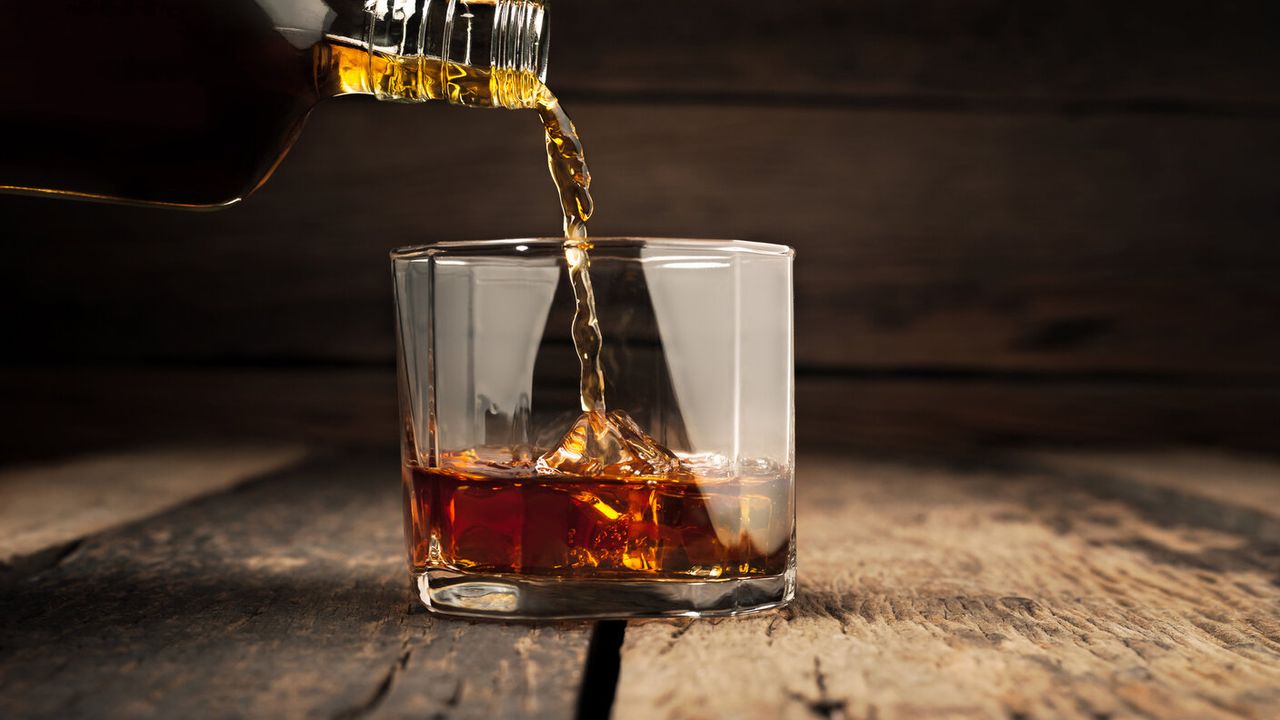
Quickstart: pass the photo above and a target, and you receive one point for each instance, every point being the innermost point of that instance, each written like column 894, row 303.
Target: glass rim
column 519, row 245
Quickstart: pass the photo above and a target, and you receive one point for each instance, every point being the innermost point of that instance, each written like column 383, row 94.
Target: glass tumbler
column 671, row 495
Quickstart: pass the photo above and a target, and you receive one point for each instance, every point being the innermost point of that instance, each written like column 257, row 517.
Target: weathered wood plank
column 928, row 592
column 356, row 408
column 1006, row 242
column 877, row 413
column 1246, row 490
column 45, row 507
column 950, row 48
column 286, row 598
column 106, row 407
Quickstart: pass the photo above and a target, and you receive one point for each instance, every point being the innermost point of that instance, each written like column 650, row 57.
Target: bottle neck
column 478, row 53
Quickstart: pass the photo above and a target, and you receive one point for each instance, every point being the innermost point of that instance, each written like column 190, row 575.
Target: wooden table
column 1012, row 586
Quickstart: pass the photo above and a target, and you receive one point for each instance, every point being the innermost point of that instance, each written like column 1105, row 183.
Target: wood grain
column 112, row 407
column 924, row 414
column 941, row 49
column 1032, row 586
column 981, row 592
column 1049, row 194
column 1244, row 489
column 286, row 598
column 356, row 408
column 937, row 240
column 45, row 507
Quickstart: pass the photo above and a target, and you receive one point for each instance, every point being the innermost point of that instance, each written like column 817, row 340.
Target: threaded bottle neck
column 521, row 38
column 484, row 53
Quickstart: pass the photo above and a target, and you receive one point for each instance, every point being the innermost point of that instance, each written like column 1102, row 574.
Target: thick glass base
column 518, row 597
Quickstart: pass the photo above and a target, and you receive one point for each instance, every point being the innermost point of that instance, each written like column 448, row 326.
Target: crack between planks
column 825, row 706
column 924, row 102
column 380, row 693
column 600, row 674
column 919, row 372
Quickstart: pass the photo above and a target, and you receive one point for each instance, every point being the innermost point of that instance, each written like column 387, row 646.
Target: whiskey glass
column 675, row 498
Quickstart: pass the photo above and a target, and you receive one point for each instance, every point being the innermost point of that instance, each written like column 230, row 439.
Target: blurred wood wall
column 1016, row 222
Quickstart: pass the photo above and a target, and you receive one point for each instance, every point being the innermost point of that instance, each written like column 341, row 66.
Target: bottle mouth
column 521, row 40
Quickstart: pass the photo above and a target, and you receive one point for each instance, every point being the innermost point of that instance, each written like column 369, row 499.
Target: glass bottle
column 193, row 103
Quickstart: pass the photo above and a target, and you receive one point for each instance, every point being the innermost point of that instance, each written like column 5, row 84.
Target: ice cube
column 608, row 445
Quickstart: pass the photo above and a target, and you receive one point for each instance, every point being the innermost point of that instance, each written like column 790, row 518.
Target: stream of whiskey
column 568, row 165
column 600, row 441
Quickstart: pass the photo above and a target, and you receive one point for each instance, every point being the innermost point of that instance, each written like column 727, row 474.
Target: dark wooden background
column 1016, row 223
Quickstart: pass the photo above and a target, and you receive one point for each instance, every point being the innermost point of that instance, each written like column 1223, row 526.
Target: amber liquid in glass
column 681, row 525
column 607, row 501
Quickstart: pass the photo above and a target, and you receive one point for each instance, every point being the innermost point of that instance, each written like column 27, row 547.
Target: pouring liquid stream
column 600, row 442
